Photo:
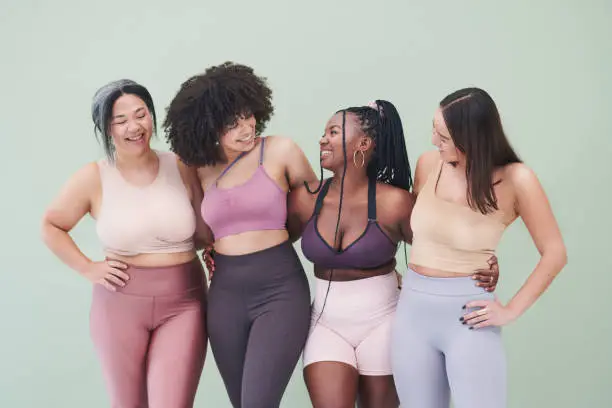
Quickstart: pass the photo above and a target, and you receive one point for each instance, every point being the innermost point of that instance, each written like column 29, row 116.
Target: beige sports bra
column 158, row 218
column 452, row 237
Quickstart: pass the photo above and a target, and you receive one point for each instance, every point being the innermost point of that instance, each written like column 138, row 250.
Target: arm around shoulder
column 300, row 206
column 298, row 168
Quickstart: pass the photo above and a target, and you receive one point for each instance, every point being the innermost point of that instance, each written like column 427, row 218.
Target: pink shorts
column 355, row 327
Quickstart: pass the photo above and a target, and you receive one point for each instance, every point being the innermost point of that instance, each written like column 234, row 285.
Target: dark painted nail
column 461, row 319
column 464, row 323
column 463, row 307
column 471, row 327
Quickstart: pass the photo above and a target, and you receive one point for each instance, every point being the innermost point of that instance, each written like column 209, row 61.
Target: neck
column 133, row 162
column 231, row 155
column 354, row 180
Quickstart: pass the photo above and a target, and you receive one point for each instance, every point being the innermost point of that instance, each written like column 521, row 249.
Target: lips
column 325, row 153
column 245, row 139
column 137, row 138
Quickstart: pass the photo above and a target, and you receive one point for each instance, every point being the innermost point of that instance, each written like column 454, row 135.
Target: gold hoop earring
column 362, row 158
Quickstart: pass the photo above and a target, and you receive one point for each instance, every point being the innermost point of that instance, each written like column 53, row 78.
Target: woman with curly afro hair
column 259, row 299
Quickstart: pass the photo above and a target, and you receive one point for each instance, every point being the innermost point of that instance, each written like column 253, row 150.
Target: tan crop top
column 452, row 237
column 157, row 218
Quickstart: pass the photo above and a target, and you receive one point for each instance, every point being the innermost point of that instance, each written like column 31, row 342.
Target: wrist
column 513, row 310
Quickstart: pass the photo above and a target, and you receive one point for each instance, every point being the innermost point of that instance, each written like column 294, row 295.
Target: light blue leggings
column 436, row 356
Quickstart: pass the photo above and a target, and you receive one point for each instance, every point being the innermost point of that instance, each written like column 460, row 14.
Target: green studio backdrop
column 546, row 63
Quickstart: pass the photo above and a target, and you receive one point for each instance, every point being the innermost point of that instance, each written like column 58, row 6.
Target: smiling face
column 332, row 155
column 240, row 135
column 131, row 126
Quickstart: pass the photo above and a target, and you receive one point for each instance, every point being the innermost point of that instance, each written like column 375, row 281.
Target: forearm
column 551, row 263
column 64, row 247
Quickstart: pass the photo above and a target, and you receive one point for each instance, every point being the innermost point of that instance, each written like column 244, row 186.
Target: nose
column 133, row 126
column 323, row 140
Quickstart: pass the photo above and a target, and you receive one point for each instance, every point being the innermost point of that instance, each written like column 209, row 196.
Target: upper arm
column 191, row 180
column 406, row 204
column 397, row 205
column 534, row 208
column 425, row 165
column 300, row 205
column 298, row 168
column 75, row 198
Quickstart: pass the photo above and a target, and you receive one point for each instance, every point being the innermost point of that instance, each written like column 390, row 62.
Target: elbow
column 557, row 256
column 46, row 231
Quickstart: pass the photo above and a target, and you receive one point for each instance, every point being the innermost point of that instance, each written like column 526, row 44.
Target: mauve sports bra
column 372, row 249
column 256, row 205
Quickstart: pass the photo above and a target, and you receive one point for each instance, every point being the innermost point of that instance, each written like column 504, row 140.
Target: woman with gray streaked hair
column 147, row 316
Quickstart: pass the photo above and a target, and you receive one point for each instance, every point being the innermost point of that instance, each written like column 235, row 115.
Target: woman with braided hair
column 351, row 226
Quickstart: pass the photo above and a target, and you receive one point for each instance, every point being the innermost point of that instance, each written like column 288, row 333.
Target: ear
column 365, row 144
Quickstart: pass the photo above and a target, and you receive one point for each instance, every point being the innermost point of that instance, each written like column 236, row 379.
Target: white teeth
column 325, row 153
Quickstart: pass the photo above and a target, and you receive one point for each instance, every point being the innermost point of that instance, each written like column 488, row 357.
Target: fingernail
column 471, row 327
column 461, row 319
column 463, row 307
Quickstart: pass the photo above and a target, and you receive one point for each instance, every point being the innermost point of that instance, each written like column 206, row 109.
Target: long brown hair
column 473, row 121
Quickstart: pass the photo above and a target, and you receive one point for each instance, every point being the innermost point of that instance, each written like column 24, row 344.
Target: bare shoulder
column 87, row 177
column 281, row 144
column 392, row 197
column 188, row 173
column 428, row 161
column 521, row 176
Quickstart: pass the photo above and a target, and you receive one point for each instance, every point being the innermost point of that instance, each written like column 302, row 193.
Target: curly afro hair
column 207, row 104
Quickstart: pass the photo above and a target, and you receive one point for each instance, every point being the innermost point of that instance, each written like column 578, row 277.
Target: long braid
column 331, row 272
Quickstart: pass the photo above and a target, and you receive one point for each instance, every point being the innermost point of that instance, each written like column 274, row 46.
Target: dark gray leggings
column 435, row 356
column 258, row 320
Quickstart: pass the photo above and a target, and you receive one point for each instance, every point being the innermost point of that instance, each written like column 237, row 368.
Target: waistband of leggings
column 453, row 286
column 278, row 251
column 165, row 280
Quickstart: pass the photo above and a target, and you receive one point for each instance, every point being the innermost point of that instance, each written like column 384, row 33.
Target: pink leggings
column 150, row 336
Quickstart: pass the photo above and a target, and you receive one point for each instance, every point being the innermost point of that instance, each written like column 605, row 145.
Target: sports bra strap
column 372, row 199
column 321, row 196
column 261, row 151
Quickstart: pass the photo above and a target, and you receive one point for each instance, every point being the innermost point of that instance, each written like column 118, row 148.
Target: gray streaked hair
column 102, row 108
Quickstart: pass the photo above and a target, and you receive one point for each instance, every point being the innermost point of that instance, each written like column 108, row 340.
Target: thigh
column 276, row 340
column 331, row 384
column 323, row 344
column 374, row 351
column 176, row 354
column 119, row 331
column 476, row 366
column 418, row 366
column 376, row 385
column 377, row 392
column 228, row 332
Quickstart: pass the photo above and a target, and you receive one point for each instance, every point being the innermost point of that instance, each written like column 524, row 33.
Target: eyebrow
column 335, row 126
column 123, row 116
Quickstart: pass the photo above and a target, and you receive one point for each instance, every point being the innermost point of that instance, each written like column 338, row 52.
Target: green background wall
column 546, row 63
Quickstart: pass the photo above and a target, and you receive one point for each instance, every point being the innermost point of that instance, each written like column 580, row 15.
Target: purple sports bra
column 372, row 249
column 256, row 205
